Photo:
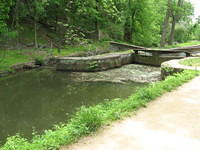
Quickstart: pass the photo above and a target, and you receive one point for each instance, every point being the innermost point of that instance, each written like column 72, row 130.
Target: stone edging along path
column 174, row 66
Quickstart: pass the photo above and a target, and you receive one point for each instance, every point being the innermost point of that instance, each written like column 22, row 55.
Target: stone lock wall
column 94, row 63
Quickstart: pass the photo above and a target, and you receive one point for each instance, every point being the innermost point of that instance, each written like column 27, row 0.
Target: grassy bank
column 195, row 62
column 90, row 119
column 8, row 58
column 190, row 43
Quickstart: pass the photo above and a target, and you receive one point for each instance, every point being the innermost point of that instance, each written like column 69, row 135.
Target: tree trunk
column 13, row 16
column 171, row 38
column 56, row 24
column 56, row 18
column 128, row 26
column 17, row 22
column 165, row 24
column 35, row 29
column 128, row 31
column 97, row 28
column 174, row 21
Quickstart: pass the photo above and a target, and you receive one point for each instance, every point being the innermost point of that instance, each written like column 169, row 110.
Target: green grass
column 190, row 43
column 9, row 58
column 89, row 119
column 191, row 62
column 84, row 48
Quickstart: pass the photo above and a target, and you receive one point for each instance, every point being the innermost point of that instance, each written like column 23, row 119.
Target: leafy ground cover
column 89, row 119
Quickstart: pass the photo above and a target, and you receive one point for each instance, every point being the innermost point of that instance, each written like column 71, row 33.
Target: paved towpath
column 171, row 122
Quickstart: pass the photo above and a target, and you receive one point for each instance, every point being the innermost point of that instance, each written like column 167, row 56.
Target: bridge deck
column 128, row 46
column 160, row 51
column 189, row 49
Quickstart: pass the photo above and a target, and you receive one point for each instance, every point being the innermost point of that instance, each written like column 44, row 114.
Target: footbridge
column 156, row 57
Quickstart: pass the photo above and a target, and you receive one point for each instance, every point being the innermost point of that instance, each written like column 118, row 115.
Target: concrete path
column 172, row 122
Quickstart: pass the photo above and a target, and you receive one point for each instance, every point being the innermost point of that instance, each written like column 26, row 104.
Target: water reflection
column 42, row 98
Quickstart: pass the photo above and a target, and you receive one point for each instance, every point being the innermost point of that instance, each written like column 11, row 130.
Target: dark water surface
column 39, row 99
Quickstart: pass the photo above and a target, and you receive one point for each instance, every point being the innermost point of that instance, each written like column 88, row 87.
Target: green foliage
column 39, row 59
column 178, row 11
column 135, row 21
column 16, row 143
column 186, row 11
column 168, row 69
column 181, row 34
column 4, row 14
column 89, row 119
column 139, row 22
column 145, row 28
column 93, row 65
column 73, row 36
column 196, row 32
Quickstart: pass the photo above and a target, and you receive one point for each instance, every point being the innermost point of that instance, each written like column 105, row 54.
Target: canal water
column 37, row 100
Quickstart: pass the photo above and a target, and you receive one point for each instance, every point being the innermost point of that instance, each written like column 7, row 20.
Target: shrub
column 39, row 59
column 181, row 34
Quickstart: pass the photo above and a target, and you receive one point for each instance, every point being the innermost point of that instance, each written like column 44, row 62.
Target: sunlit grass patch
column 191, row 62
